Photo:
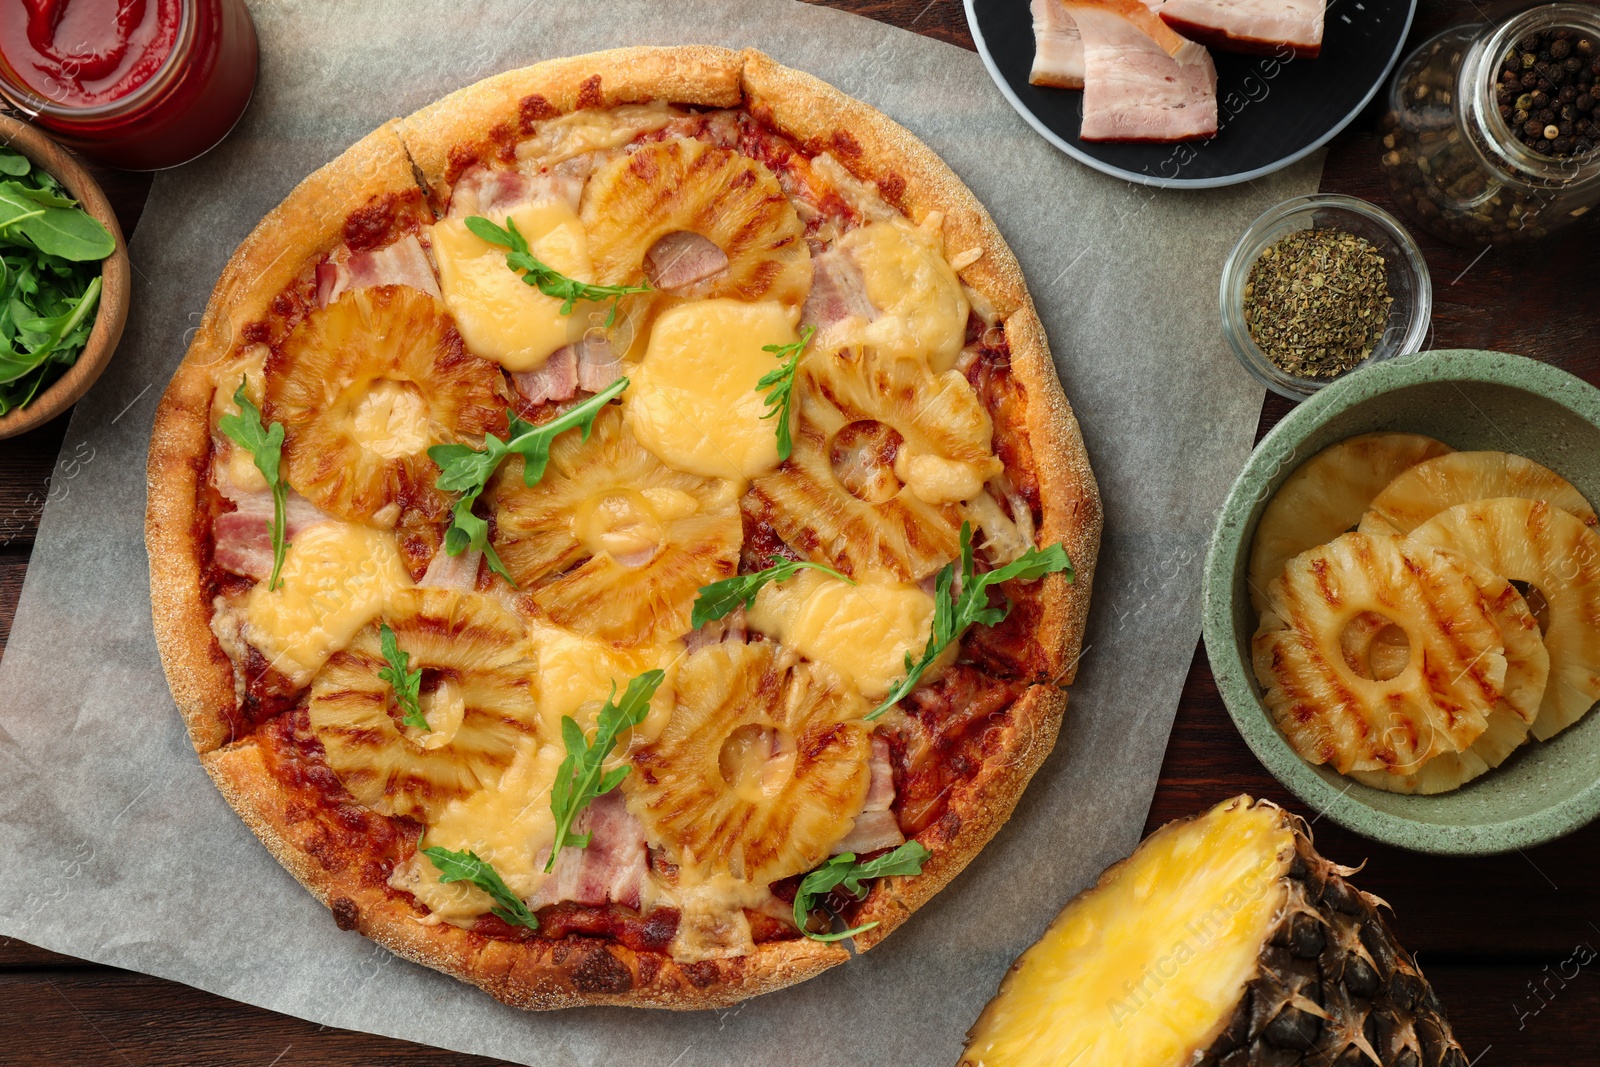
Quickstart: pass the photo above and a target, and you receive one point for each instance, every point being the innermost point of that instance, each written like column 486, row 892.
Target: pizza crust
column 534, row 974
column 438, row 141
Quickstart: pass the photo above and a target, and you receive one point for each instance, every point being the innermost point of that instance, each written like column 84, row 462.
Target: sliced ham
column 1260, row 27
column 680, row 259
column 243, row 537
column 838, row 292
column 730, row 627
column 1057, row 47
column 557, row 380
column 496, row 193
column 1142, row 81
column 598, row 364
column 445, row 571
column 876, row 827
column 611, row 869
column 402, row 263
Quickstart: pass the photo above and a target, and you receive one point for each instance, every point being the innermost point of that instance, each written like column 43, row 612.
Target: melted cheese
column 630, row 525
column 594, row 130
column 922, row 310
column 863, row 631
column 694, row 402
column 336, row 577
column 712, row 923
column 936, row 480
column 234, row 463
column 391, row 420
column 576, row 674
column 509, row 826
column 499, row 315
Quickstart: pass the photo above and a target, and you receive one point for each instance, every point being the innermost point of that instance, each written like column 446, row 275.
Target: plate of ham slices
column 1189, row 93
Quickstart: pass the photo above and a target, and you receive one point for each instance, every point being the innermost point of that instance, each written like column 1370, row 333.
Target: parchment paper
column 115, row 847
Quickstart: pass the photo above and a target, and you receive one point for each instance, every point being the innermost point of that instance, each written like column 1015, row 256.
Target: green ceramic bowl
column 1471, row 400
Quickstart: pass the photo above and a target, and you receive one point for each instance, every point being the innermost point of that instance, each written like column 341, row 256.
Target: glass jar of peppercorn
column 1493, row 129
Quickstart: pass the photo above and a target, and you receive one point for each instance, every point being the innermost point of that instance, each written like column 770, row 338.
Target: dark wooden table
column 1494, row 934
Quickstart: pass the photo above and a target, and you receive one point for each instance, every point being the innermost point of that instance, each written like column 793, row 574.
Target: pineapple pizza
column 618, row 532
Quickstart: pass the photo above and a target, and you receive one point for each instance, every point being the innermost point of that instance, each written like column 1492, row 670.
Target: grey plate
column 1471, row 400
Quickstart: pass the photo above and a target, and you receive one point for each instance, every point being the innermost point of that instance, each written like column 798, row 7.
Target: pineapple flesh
column 1224, row 941
column 1329, row 712
column 1554, row 552
column 1326, row 496
column 611, row 542
column 683, row 185
column 1527, row 672
column 760, row 770
column 884, row 453
column 364, row 387
column 477, row 697
column 1443, row 482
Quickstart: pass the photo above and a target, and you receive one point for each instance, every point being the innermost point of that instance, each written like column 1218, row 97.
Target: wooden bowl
column 112, row 313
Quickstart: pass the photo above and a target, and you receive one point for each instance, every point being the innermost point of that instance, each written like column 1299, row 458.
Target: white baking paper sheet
column 115, row 847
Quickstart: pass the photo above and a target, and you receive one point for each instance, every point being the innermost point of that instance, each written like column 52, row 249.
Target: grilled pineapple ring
column 1531, row 541
column 1527, row 672
column 1443, row 482
column 761, row 768
column 883, row 452
column 363, row 388
column 1329, row 712
column 1327, row 495
column 613, row 543
column 683, row 185
column 477, row 697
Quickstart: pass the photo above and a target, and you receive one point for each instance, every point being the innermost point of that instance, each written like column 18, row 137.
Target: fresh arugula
column 843, row 871
column 407, row 683
column 544, row 277
column 954, row 612
column 780, row 386
column 467, row 867
column 49, row 279
column 579, row 779
column 265, row 446
column 719, row 598
column 467, row 470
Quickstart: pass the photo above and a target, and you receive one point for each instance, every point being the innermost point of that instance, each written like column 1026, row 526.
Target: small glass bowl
column 1409, row 282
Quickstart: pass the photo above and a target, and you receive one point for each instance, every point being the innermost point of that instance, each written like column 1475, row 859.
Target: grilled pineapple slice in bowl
column 1225, row 940
column 1469, row 402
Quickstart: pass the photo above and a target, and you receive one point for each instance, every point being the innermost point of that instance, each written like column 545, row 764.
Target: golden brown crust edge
column 504, row 106
column 308, row 222
column 533, row 974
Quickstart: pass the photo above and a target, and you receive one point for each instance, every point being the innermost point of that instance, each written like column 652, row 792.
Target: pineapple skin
column 1333, row 986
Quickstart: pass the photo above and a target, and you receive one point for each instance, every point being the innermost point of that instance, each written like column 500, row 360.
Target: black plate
column 1271, row 112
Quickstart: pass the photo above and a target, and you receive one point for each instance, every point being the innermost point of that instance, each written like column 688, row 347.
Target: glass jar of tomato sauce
column 136, row 84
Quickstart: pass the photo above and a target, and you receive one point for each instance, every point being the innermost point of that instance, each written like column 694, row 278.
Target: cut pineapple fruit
column 611, row 542
column 1438, row 484
column 884, row 451
column 1328, row 711
column 1223, row 941
column 477, row 698
column 1552, row 551
column 681, row 185
column 1326, row 496
column 363, row 388
column 761, row 768
column 1527, row 671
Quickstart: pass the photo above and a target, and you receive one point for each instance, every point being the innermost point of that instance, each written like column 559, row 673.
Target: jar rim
column 33, row 105
column 1482, row 64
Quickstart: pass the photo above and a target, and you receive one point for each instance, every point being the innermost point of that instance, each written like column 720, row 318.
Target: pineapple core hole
column 757, row 760
column 619, row 523
column 862, row 456
column 1538, row 604
column 391, row 420
column 1374, row 647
